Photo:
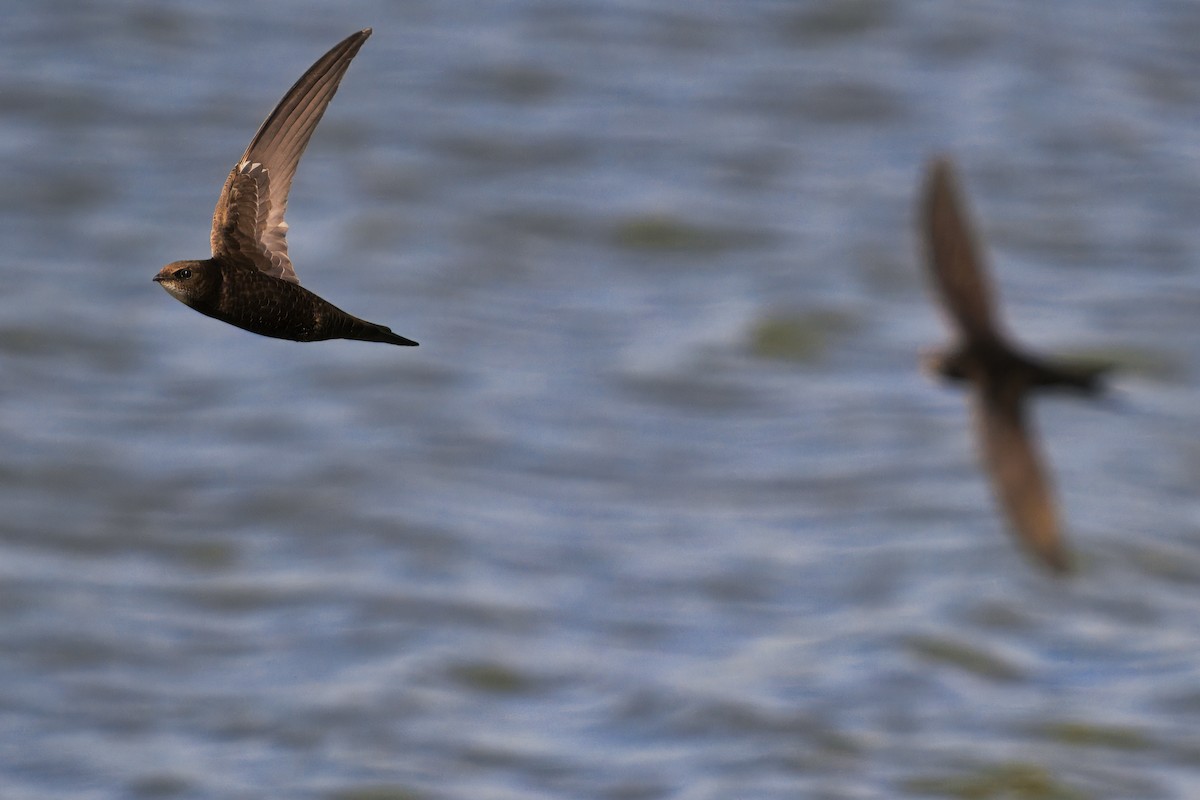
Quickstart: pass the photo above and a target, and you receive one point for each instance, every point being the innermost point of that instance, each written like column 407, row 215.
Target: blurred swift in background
column 1001, row 375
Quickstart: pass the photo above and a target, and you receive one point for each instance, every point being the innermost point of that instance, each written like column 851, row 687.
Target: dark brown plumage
column 1000, row 374
column 249, row 280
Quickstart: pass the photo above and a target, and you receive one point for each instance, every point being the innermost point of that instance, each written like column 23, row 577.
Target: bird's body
column 254, row 301
column 249, row 281
column 999, row 361
column 1000, row 375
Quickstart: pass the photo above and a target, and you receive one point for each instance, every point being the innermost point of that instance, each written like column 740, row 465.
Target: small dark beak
column 157, row 278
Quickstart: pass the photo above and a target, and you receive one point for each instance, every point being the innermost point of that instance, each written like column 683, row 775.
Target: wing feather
column 954, row 256
column 1015, row 469
column 248, row 222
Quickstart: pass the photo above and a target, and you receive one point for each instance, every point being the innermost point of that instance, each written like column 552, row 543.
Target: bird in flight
column 1000, row 374
column 249, row 280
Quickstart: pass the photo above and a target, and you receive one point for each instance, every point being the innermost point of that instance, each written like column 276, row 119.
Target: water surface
column 660, row 508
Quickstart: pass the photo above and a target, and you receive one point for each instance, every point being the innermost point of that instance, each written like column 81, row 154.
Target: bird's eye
column 183, row 274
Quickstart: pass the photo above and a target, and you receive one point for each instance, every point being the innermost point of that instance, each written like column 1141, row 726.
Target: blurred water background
column 660, row 507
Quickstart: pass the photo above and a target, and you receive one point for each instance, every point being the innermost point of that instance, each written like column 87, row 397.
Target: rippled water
column 660, row 508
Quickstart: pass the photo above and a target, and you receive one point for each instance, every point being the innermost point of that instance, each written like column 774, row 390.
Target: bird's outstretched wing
column 248, row 223
column 1014, row 467
column 953, row 254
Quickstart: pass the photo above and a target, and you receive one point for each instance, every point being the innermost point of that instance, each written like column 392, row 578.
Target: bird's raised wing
column 248, row 221
column 1015, row 469
column 953, row 255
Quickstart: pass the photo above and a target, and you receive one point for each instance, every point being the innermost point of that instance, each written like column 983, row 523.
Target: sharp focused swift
column 249, row 280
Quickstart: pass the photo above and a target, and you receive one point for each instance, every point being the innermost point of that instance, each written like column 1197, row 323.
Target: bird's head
column 186, row 281
column 947, row 365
